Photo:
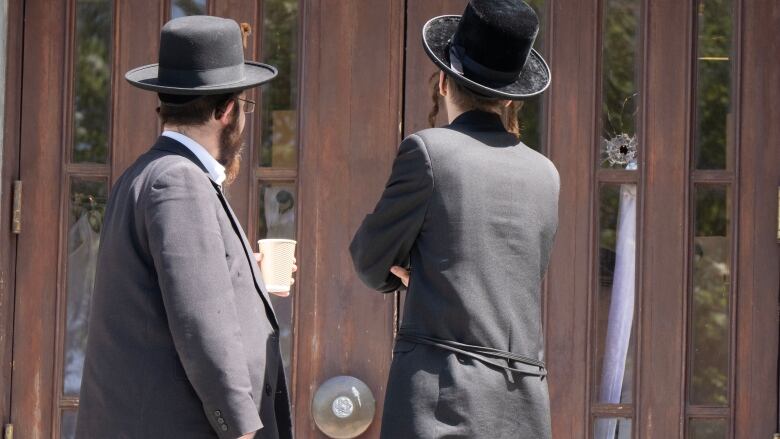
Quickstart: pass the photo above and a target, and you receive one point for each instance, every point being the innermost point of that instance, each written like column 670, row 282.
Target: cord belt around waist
column 523, row 365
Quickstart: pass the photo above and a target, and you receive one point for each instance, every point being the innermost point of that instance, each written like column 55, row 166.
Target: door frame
column 9, row 160
column 758, row 299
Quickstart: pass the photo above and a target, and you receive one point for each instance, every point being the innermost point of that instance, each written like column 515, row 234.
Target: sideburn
column 230, row 148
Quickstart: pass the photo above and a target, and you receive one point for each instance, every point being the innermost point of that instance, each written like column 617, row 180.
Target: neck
column 208, row 139
column 453, row 110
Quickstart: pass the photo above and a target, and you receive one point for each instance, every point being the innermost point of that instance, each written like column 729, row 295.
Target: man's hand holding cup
column 277, row 264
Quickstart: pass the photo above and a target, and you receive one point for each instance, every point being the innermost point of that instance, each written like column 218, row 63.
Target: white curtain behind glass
column 82, row 261
column 621, row 310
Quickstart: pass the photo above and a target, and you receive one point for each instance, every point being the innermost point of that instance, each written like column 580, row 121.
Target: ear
column 442, row 83
column 225, row 115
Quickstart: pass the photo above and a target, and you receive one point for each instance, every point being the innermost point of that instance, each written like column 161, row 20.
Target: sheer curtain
column 82, row 262
column 621, row 310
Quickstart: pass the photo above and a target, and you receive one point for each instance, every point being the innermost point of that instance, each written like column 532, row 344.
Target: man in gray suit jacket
column 183, row 341
column 474, row 212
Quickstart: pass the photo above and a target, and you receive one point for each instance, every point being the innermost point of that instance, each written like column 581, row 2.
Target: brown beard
column 230, row 148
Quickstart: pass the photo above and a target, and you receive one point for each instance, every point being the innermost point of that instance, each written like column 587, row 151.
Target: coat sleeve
column 386, row 235
column 189, row 256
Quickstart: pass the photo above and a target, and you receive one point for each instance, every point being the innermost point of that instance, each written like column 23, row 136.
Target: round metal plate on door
column 343, row 407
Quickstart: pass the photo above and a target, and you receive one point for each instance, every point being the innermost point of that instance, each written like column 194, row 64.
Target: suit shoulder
column 166, row 169
column 543, row 162
column 413, row 147
column 157, row 169
column 536, row 155
column 432, row 137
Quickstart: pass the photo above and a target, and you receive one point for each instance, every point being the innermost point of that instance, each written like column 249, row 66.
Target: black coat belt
column 490, row 356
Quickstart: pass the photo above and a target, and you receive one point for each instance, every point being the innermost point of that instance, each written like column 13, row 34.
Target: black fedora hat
column 201, row 55
column 490, row 48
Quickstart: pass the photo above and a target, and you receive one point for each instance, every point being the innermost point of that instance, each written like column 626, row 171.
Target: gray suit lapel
column 250, row 254
column 169, row 145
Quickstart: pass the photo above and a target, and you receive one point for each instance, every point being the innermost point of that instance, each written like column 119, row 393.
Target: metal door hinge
column 16, row 220
column 9, row 431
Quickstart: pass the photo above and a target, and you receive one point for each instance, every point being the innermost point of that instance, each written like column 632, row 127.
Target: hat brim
column 532, row 80
column 255, row 74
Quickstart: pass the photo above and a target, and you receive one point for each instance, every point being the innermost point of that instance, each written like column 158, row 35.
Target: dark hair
column 177, row 110
column 469, row 100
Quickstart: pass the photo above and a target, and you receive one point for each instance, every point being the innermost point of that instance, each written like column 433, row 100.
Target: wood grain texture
column 135, row 125
column 758, row 252
column 9, row 173
column 664, row 226
column 41, row 162
column 571, row 131
column 351, row 86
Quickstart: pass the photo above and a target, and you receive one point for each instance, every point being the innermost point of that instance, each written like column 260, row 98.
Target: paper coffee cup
column 277, row 264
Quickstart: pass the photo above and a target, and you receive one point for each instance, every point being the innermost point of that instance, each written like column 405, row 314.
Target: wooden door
column 73, row 52
column 661, row 298
column 351, row 126
column 80, row 125
column 354, row 81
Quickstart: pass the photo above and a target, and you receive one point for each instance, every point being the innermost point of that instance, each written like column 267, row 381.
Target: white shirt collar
column 216, row 170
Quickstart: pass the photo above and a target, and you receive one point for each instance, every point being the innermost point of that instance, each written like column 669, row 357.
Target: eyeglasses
column 249, row 105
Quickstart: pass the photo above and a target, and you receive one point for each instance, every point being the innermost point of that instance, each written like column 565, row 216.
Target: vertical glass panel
column 620, row 95
column 279, row 115
column 181, row 8
column 616, row 294
column 710, row 297
column 707, row 429
column 278, row 204
column 612, row 428
column 68, row 425
column 87, row 207
column 531, row 118
column 715, row 120
column 92, row 76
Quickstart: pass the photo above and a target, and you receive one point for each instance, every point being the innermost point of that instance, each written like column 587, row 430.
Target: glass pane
column 531, row 113
column 707, row 428
column 68, row 425
column 87, row 206
column 620, row 95
column 710, row 299
column 616, row 294
column 279, row 100
column 181, row 8
column 715, row 121
column 277, row 220
column 612, row 428
column 92, row 76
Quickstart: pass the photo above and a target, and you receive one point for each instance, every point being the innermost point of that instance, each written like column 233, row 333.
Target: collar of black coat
column 479, row 121
column 167, row 144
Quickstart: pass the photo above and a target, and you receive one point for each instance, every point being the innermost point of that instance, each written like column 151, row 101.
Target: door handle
column 343, row 407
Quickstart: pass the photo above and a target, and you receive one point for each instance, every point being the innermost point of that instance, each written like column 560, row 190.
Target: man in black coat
column 183, row 341
column 473, row 212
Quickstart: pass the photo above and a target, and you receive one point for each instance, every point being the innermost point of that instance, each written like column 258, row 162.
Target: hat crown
column 497, row 34
column 197, row 43
column 201, row 55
